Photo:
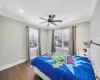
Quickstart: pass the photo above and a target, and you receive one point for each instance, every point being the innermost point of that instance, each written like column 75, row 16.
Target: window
column 62, row 38
column 33, row 38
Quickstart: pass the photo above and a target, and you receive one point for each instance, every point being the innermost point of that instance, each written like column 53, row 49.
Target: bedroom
column 83, row 15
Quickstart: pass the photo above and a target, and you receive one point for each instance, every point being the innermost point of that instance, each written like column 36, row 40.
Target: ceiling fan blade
column 42, row 22
column 54, row 23
column 57, row 21
column 43, row 18
column 48, row 25
column 52, row 17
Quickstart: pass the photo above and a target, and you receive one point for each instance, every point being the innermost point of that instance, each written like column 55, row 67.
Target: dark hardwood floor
column 20, row 72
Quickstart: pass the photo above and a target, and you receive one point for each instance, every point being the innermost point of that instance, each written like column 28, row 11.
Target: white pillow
column 82, row 53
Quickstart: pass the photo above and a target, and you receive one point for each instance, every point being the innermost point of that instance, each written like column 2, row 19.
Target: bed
column 82, row 69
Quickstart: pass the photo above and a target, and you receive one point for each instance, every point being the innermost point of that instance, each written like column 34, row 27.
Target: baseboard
column 12, row 64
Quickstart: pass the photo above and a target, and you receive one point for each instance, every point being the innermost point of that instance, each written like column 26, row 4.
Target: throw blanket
column 82, row 69
column 59, row 59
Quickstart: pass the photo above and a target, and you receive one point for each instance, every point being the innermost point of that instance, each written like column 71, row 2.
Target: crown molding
column 27, row 23
column 93, row 7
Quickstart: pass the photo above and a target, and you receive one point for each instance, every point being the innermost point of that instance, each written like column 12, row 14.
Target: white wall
column 95, row 35
column 13, row 46
column 49, row 41
column 82, row 34
column 13, row 41
column 44, row 41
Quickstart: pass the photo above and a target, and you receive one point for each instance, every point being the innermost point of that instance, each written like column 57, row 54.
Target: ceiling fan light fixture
column 51, row 20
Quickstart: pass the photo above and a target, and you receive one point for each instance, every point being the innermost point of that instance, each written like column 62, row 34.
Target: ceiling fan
column 50, row 20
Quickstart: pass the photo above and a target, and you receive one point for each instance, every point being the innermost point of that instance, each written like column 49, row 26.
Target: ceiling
column 29, row 11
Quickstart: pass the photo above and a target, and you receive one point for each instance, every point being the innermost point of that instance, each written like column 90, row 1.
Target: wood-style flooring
column 19, row 72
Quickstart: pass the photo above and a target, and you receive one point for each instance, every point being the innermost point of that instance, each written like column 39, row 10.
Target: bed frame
column 39, row 73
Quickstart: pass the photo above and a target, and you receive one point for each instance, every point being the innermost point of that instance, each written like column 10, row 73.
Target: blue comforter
column 82, row 69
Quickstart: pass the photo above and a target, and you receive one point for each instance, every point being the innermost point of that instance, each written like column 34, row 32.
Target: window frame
column 33, row 48
column 62, row 47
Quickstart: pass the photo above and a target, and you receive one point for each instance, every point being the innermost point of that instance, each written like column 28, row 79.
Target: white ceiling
column 70, row 11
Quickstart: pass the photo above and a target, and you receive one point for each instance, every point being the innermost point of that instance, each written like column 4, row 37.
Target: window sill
column 34, row 48
column 61, row 48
